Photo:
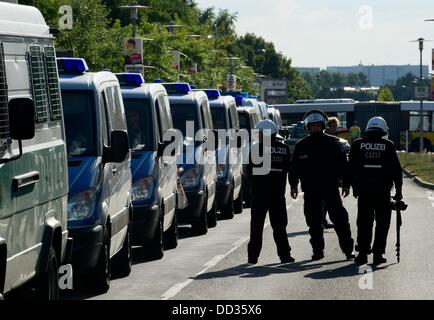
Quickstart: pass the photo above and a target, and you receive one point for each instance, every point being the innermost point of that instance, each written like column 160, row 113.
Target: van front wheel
column 100, row 282
column 48, row 284
column 200, row 224
column 124, row 259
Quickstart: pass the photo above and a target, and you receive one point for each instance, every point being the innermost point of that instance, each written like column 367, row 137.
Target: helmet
column 267, row 125
column 377, row 124
column 315, row 116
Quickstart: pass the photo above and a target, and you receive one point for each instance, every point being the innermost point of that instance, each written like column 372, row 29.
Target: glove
column 398, row 196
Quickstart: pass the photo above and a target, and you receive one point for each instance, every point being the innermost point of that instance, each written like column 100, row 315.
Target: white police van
column 198, row 159
column 229, row 155
column 154, row 193
column 99, row 205
column 33, row 173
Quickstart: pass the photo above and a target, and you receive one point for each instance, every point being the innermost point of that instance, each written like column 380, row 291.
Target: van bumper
column 196, row 200
column 223, row 193
column 145, row 223
column 86, row 247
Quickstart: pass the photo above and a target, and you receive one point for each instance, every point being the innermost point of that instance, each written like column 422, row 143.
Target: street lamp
column 421, row 42
column 134, row 9
column 172, row 27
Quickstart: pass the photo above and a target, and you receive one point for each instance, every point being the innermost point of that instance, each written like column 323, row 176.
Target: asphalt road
column 214, row 266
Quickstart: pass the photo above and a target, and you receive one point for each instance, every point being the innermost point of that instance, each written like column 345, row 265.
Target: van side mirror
column 22, row 119
column 119, row 146
column 21, row 123
column 215, row 132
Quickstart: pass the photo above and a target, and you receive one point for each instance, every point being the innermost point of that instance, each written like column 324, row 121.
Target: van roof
column 86, row 81
column 222, row 101
column 146, row 90
column 190, row 97
column 24, row 21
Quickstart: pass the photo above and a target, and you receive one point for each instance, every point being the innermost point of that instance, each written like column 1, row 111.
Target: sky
column 320, row 33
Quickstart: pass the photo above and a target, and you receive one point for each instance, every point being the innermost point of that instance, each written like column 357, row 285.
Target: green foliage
column 404, row 89
column 385, row 94
column 100, row 27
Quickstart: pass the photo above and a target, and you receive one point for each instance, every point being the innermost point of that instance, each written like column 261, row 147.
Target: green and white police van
column 33, row 166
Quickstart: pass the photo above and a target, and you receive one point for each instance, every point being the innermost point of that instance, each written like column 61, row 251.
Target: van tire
column 100, row 280
column 171, row 235
column 155, row 248
column 212, row 216
column 123, row 261
column 199, row 225
column 227, row 210
column 238, row 205
column 48, row 284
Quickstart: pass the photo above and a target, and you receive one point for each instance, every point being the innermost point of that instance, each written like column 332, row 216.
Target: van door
column 168, row 172
column 209, row 156
column 119, row 174
column 236, row 167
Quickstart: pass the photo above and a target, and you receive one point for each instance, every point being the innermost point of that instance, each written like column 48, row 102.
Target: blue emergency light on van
column 72, row 65
column 212, row 93
column 239, row 100
column 177, row 88
column 130, row 79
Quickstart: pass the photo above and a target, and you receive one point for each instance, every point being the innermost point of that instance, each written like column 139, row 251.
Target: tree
column 385, row 94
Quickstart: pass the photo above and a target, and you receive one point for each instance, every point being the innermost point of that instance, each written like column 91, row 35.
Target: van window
column 39, row 88
column 5, row 138
column 80, row 122
column 206, row 115
column 219, row 118
column 244, row 120
column 105, row 126
column 234, row 117
column 115, row 110
column 181, row 114
column 53, row 84
column 140, row 124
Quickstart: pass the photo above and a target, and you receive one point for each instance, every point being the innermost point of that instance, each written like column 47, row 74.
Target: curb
column 418, row 181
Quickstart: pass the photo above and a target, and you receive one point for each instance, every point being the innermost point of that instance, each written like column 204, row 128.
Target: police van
column 99, row 204
column 154, row 192
column 33, row 172
column 248, row 119
column 197, row 161
column 229, row 155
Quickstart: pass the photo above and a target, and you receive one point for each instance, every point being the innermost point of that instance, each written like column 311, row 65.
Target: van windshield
column 183, row 113
column 140, row 124
column 244, row 120
column 79, row 113
column 219, row 118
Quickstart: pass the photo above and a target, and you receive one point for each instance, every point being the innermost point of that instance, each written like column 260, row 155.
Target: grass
column 419, row 164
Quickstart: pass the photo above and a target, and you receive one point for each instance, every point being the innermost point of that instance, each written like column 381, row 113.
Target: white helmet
column 377, row 124
column 267, row 125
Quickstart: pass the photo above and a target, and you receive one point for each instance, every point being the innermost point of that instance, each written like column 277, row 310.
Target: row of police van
column 83, row 172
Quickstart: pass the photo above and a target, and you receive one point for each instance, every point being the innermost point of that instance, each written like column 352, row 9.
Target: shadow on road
column 260, row 271
column 298, row 234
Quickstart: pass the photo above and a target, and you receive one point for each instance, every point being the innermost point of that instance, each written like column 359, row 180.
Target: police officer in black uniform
column 321, row 165
column 269, row 195
column 375, row 168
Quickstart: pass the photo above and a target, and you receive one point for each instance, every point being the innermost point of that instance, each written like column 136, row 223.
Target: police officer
column 269, row 196
column 374, row 168
column 321, row 165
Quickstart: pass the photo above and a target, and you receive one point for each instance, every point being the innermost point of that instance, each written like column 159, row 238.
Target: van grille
column 53, row 84
column 37, row 73
column 5, row 138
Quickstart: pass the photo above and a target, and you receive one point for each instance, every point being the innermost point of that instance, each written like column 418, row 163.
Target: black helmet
column 315, row 116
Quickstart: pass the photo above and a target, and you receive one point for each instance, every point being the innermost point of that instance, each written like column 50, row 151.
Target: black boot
column 318, row 256
column 378, row 259
column 361, row 259
column 287, row 259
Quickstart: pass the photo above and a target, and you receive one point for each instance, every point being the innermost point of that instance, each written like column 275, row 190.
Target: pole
column 134, row 16
column 421, row 100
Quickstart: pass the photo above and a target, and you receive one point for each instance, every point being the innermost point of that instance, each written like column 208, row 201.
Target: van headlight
column 80, row 206
column 221, row 171
column 191, row 178
column 142, row 189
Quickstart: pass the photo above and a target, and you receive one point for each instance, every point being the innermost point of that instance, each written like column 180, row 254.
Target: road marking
column 431, row 198
column 213, row 261
column 432, row 205
column 173, row 291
